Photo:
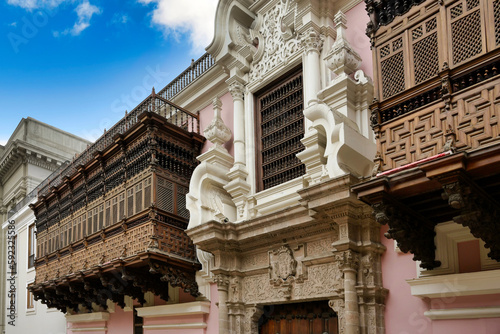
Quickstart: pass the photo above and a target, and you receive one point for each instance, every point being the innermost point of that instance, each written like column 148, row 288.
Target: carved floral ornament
column 277, row 40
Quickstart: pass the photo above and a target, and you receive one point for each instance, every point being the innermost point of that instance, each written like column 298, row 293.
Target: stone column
column 349, row 263
column 312, row 42
column 238, row 187
column 222, row 282
column 237, row 90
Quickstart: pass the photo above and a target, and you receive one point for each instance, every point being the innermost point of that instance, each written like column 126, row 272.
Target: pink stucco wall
column 207, row 114
column 404, row 313
column 355, row 33
column 121, row 322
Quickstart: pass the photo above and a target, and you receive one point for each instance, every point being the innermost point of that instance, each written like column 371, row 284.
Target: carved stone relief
column 278, row 43
column 283, row 265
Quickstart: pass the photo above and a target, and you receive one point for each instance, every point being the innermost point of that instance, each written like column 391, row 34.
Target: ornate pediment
column 277, row 39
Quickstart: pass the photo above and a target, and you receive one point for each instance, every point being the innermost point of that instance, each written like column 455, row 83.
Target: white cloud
column 84, row 11
column 33, row 4
column 195, row 17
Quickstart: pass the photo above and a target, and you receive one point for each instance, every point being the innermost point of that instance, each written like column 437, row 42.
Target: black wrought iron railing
column 193, row 72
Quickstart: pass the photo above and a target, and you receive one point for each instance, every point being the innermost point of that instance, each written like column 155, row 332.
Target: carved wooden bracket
column 477, row 210
column 410, row 230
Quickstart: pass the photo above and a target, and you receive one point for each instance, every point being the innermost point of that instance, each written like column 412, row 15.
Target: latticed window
column 281, row 126
column 465, row 29
column 30, row 300
column 31, row 246
column 392, row 67
column 413, row 52
column 425, row 50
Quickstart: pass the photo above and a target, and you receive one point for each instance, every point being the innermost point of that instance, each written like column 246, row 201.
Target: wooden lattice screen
column 412, row 53
column 425, row 50
column 496, row 16
column 392, row 67
column 281, row 118
column 466, row 36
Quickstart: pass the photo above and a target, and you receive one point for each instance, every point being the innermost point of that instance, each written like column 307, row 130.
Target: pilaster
column 238, row 186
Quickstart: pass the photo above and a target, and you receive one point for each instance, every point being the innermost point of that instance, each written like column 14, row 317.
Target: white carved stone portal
column 322, row 244
column 326, row 249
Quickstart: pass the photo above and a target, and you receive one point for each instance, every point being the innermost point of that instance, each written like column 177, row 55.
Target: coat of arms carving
column 283, row 266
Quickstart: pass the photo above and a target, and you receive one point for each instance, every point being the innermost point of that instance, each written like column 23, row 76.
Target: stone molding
column 455, row 285
column 463, row 313
column 174, row 310
column 88, row 317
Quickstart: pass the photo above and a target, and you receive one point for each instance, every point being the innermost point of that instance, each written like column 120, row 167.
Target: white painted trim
column 467, row 284
column 448, row 235
column 464, row 313
column 194, row 325
column 88, row 317
column 173, row 310
column 89, row 329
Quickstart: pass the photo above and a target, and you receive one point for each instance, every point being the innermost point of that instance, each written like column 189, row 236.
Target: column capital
column 348, row 260
column 237, row 90
column 222, row 281
column 312, row 40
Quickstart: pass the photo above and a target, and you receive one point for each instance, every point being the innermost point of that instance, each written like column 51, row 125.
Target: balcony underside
column 462, row 187
column 146, row 252
column 146, row 272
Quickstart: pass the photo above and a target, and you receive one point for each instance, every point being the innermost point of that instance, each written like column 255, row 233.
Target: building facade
column 271, row 228
column 282, row 97
column 31, row 154
column 434, row 186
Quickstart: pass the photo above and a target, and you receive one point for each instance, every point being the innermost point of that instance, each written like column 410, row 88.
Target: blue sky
column 79, row 64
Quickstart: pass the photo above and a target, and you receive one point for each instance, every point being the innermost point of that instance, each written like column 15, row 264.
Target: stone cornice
column 291, row 223
column 29, row 153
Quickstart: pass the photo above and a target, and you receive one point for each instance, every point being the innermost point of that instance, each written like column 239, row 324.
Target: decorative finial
column 217, row 132
column 342, row 59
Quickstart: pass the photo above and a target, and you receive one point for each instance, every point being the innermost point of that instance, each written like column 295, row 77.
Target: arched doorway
column 300, row 318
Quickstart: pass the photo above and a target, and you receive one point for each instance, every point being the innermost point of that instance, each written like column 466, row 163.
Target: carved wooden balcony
column 437, row 72
column 436, row 121
column 111, row 224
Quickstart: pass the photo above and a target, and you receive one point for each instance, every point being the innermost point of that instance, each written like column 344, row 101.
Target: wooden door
column 300, row 318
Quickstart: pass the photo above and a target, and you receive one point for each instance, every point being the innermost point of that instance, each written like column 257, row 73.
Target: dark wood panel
column 301, row 318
